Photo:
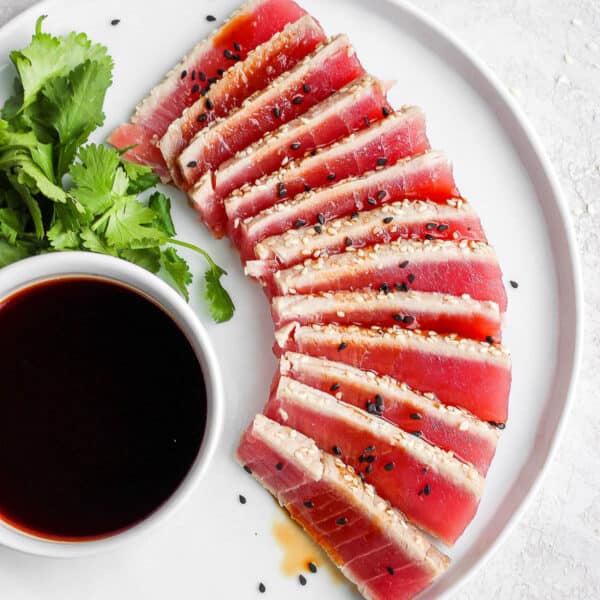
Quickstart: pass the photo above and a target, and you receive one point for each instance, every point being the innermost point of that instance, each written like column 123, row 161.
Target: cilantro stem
column 197, row 249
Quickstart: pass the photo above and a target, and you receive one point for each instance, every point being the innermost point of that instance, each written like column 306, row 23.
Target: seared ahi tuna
column 450, row 428
column 433, row 489
column 448, row 267
column 264, row 64
column 384, row 142
column 428, row 176
column 460, row 372
column 329, row 68
column 251, row 25
column 410, row 310
column 406, row 219
column 374, row 545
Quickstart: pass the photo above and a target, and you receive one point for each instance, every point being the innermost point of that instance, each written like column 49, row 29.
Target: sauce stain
column 299, row 550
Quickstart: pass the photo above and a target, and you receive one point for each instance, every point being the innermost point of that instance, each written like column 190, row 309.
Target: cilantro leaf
column 161, row 205
column 178, row 270
column 147, row 258
column 72, row 106
column 12, row 224
column 141, row 177
column 48, row 57
column 219, row 301
column 10, row 253
column 94, row 243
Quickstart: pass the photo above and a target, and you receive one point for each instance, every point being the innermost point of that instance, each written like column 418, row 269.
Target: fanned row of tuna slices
column 392, row 385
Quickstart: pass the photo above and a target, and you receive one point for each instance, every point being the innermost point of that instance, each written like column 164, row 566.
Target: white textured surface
column 548, row 54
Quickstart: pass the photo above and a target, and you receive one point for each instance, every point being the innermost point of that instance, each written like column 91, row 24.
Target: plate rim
column 575, row 300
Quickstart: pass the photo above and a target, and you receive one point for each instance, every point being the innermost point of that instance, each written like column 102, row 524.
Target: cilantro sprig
column 59, row 193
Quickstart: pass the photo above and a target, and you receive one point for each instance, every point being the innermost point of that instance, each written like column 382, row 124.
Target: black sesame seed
column 427, row 489
column 428, row 236
column 318, row 229
column 388, row 466
column 295, row 145
column 227, row 53
column 281, row 192
column 331, row 176
column 404, row 264
column 209, row 104
column 410, row 278
column 371, row 459
column 276, row 112
column 501, row 426
column 337, row 450
column 399, row 318
column 220, row 71
column 362, row 477
column 297, row 100
column 381, row 162
column 202, row 76
column 390, row 570
column 348, row 242
column 369, row 468
column 205, row 90
column 379, row 400
column 195, row 89
column 307, row 187
column 210, row 18
column 489, row 339
column 403, row 287
column 424, row 470
column 248, row 469
column 385, row 111
column 381, row 194
column 514, row 284
column 334, row 387
column 313, row 152
column 387, row 220
column 183, row 74
column 115, row 22
column 279, row 466
column 372, row 408
column 202, row 118
column 242, row 499
column 354, row 215
column 261, row 588
column 342, row 521
column 371, row 201
column 299, row 223
column 342, row 346
column 213, row 80
column 309, row 504
column 312, row 567
column 369, row 449
column 408, row 319
column 417, row 433
column 361, row 458
column 302, row 579
column 321, row 218
column 194, row 75
column 442, row 227
column 306, row 88
column 236, row 56
column 192, row 164
column 236, row 47
column 385, row 288
column 415, row 416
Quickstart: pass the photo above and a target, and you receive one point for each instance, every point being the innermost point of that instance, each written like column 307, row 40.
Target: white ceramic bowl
column 65, row 264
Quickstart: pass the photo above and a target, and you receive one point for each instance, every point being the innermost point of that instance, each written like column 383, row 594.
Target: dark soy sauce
column 103, row 408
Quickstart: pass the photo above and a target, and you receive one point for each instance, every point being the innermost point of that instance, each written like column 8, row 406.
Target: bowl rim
column 60, row 265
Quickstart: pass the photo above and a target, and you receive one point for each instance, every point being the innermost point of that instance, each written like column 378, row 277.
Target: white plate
column 215, row 547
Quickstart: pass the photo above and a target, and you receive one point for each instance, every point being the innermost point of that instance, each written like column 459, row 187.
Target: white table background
column 547, row 52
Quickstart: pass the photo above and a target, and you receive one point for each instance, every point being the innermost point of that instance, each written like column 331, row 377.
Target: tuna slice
column 410, row 310
column 460, row 372
column 436, row 491
column 344, row 112
column 400, row 135
column 252, row 24
column 447, row 267
column 452, row 429
column 374, row 545
column 406, row 219
column 265, row 63
column 426, row 176
column 329, row 68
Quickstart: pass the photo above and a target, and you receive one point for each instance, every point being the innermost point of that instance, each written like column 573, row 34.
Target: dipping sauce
column 102, row 408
